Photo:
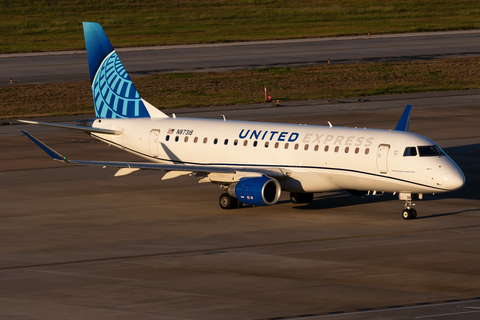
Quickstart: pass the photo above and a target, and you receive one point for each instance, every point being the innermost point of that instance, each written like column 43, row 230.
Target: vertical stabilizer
column 114, row 94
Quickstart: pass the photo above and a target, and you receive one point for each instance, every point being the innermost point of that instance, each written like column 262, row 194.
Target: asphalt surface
column 78, row 243
column 72, row 66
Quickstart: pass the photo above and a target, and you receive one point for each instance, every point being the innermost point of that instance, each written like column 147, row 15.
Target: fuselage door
column 153, row 141
column 382, row 158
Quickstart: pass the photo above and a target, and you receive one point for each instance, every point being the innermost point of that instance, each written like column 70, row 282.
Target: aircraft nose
column 455, row 179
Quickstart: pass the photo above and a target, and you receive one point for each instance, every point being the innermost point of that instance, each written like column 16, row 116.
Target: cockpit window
column 430, row 151
column 410, row 152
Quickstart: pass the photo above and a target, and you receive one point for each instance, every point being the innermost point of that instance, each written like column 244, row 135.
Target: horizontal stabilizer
column 404, row 122
column 69, row 126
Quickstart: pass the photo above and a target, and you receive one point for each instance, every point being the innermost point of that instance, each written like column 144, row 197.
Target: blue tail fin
column 114, row 94
column 404, row 122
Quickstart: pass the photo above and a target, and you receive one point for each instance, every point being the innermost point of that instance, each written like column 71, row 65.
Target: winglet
column 404, row 122
column 52, row 153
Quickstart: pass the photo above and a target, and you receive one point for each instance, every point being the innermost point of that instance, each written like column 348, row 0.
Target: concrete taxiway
column 39, row 68
column 78, row 243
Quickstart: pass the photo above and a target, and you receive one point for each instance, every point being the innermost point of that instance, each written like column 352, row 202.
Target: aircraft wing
column 178, row 169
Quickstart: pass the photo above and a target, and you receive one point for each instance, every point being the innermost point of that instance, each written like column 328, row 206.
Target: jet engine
column 256, row 191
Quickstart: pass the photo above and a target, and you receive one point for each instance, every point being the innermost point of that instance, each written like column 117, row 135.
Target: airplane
column 255, row 161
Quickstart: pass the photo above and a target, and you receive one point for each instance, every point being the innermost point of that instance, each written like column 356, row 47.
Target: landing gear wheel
column 414, row 213
column 408, row 214
column 226, row 201
column 301, row 197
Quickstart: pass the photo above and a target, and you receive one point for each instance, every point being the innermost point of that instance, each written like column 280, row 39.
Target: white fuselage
column 318, row 158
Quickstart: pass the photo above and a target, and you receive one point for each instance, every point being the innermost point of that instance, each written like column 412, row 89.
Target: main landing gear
column 301, row 197
column 226, row 201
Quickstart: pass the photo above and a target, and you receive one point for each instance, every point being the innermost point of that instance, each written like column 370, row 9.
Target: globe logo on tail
column 114, row 94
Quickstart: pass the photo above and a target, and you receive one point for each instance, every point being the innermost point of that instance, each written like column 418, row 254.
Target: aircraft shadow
column 447, row 214
column 342, row 199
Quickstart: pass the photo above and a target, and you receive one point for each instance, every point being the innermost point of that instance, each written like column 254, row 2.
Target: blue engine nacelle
column 256, row 191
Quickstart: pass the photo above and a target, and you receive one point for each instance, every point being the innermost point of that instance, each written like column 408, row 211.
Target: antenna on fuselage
column 174, row 116
column 329, row 124
column 224, row 119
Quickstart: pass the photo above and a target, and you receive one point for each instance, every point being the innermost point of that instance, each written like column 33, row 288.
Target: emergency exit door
column 153, row 142
column 382, row 158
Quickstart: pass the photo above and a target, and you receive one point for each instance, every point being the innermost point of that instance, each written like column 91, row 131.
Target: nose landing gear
column 409, row 212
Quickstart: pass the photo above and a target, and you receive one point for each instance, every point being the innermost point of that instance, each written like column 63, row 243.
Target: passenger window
column 205, row 140
column 347, row 149
column 357, row 150
column 195, row 140
column 276, row 145
column 245, row 143
column 367, row 151
column 286, row 145
column 215, row 141
column 254, row 143
column 225, row 142
column 336, row 148
column 326, row 148
column 266, row 144
column 306, row 147
column 186, row 139
column 176, row 138
column 296, row 146
column 167, row 138
column 410, row 152
column 235, row 142
column 316, row 147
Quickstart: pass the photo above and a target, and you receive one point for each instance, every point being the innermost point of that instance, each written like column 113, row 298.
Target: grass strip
column 241, row 87
column 45, row 25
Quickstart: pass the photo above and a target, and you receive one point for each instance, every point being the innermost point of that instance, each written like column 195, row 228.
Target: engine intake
column 256, row 191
